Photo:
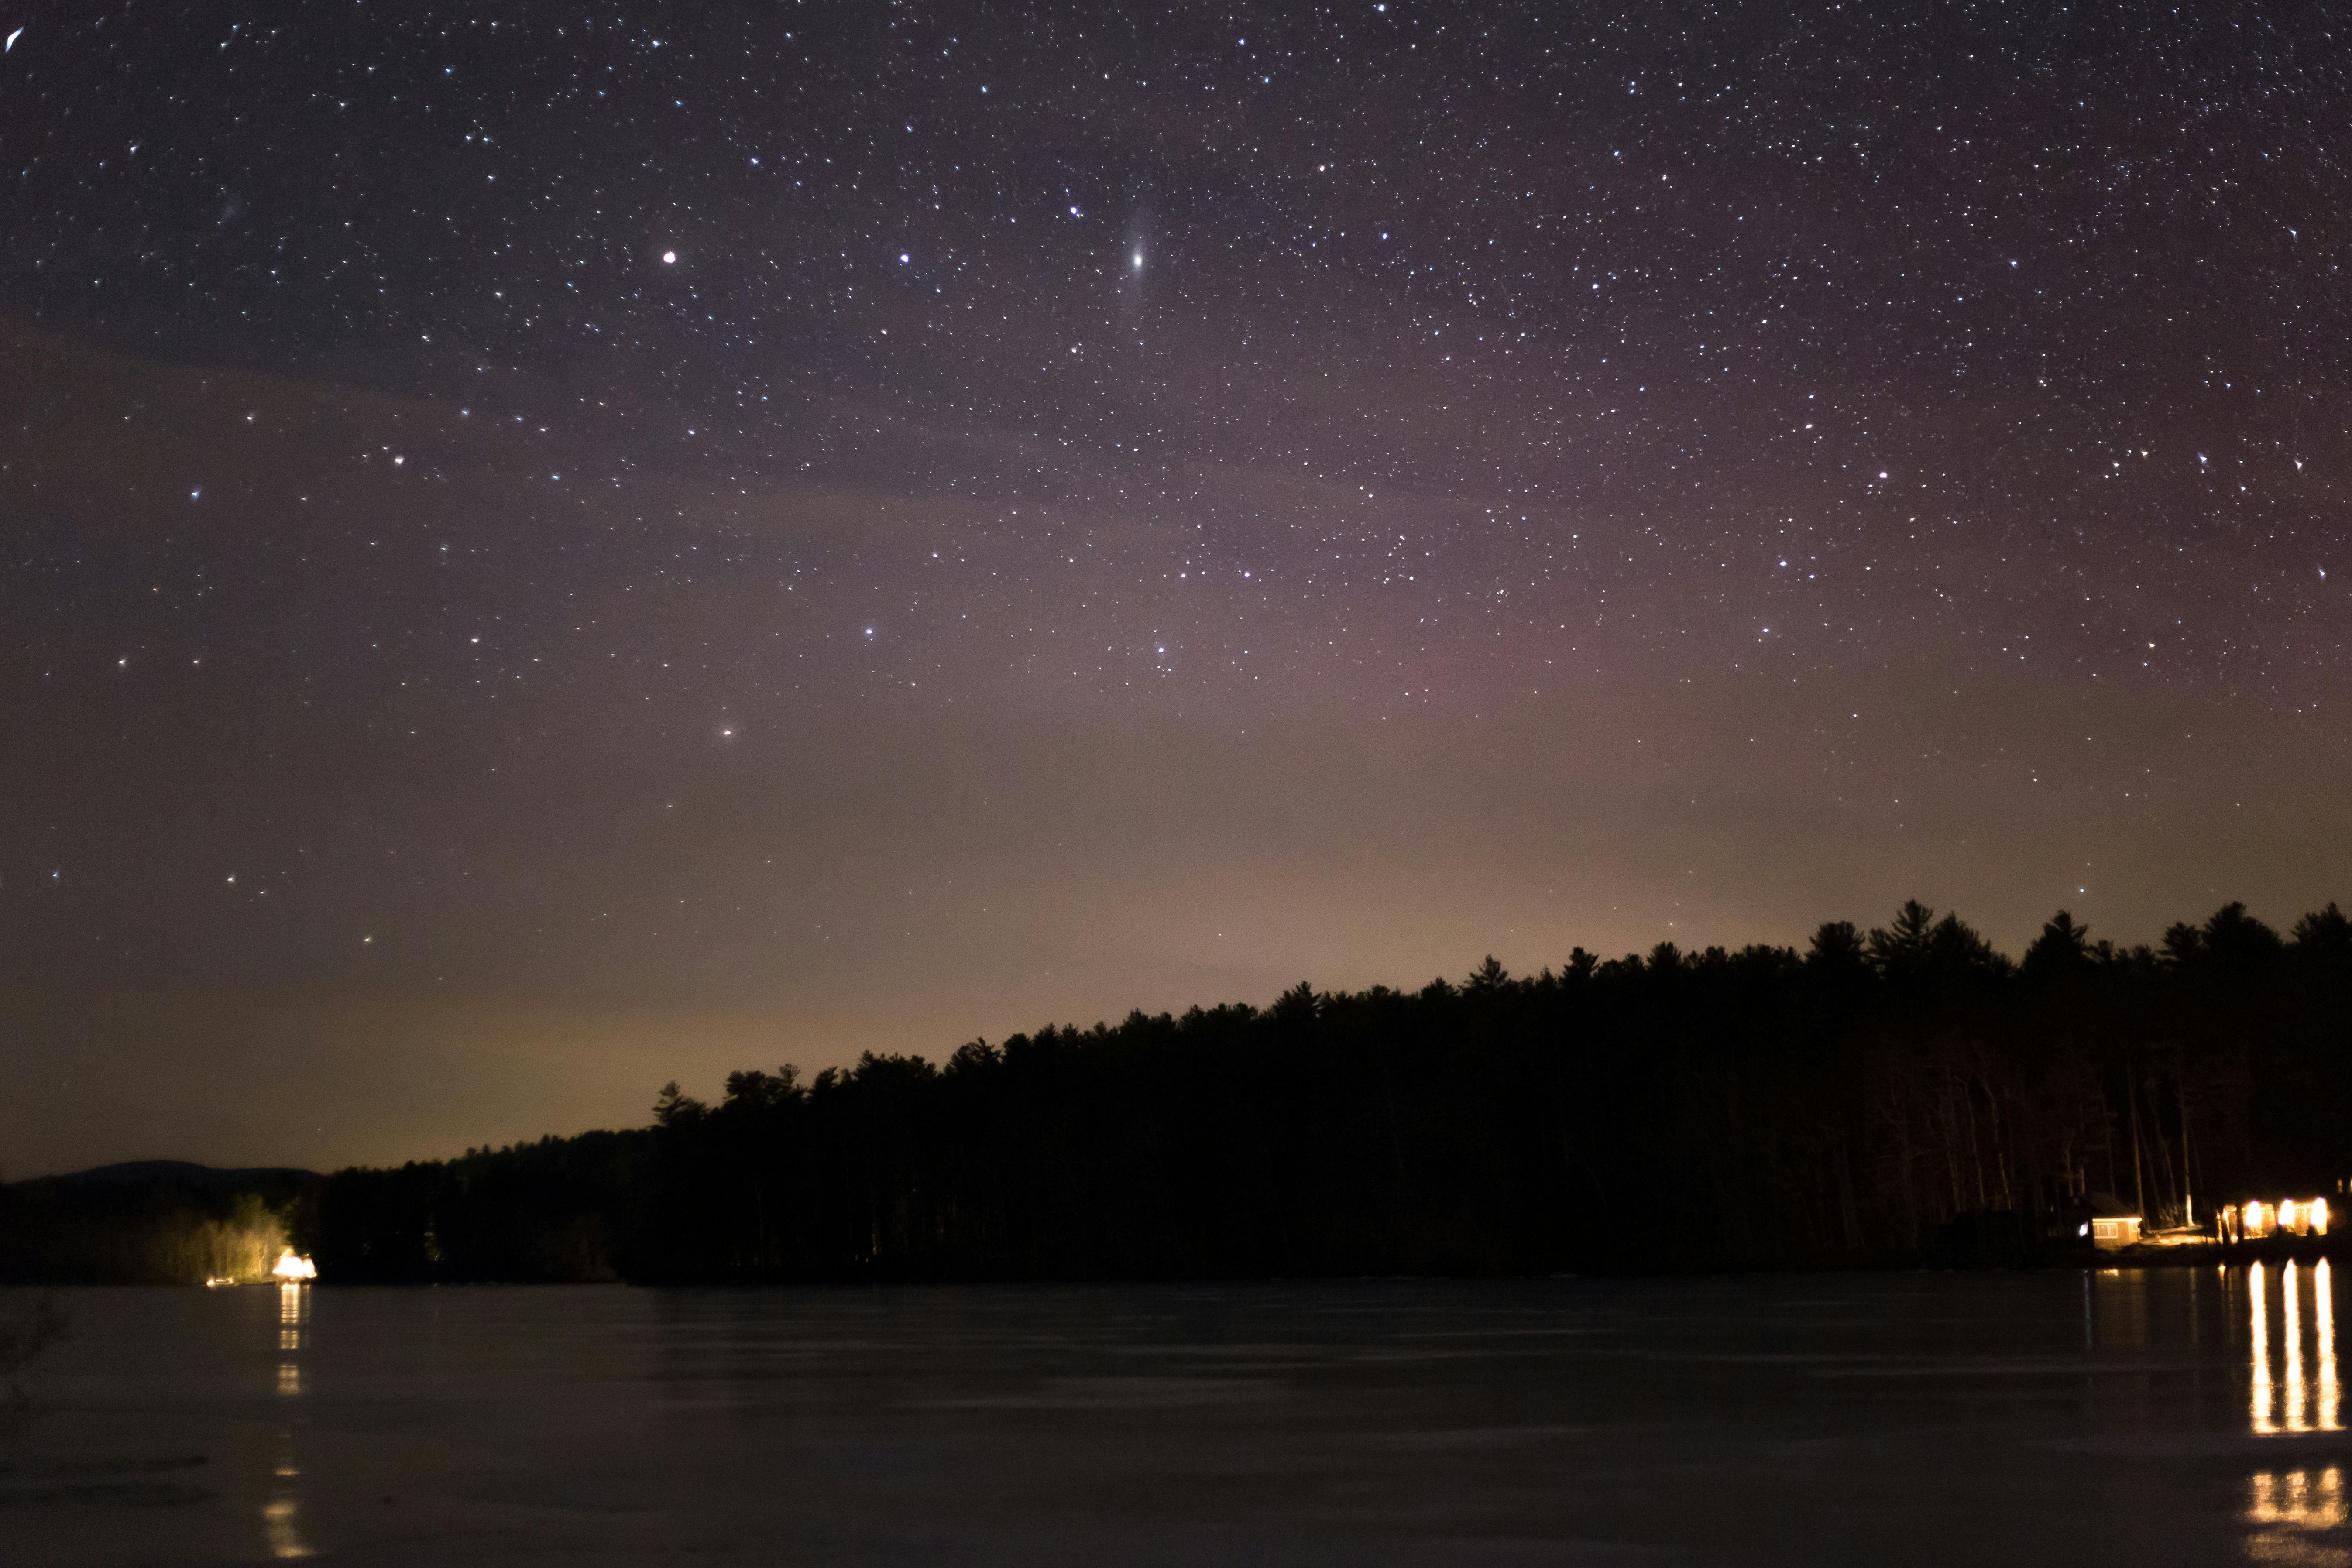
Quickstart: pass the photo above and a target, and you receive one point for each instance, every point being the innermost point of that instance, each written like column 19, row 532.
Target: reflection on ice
column 2322, row 1294
column 2258, row 1328
column 293, row 1305
column 281, row 1525
column 2290, row 1509
column 282, row 1514
column 2284, row 1389
column 2290, row 1303
column 2297, row 1498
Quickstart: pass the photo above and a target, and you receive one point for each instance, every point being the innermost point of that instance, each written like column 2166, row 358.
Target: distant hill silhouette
column 181, row 1173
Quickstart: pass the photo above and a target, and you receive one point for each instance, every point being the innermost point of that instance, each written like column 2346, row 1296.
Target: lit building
column 2254, row 1219
column 2112, row 1224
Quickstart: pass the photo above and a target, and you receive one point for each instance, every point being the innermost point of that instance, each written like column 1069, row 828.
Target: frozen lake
column 2180, row 1415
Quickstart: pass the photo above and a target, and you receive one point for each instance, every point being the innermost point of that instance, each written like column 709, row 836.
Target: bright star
column 669, row 259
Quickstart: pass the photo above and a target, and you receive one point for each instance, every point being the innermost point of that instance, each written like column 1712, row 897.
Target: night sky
column 545, row 548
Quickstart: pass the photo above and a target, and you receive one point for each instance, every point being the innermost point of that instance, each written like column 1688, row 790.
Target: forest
column 153, row 1222
column 1881, row 1097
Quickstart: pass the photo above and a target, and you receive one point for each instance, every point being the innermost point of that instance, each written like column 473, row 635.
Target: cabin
column 2254, row 1219
column 2113, row 1226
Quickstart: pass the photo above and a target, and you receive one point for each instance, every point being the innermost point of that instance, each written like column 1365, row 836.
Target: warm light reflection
column 281, row 1524
column 2323, row 1295
column 281, row 1513
column 293, row 1305
column 2297, row 1498
column 2283, row 1398
column 2291, row 1341
column 2258, row 1323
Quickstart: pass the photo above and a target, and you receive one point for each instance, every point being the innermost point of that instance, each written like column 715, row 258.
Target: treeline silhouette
column 1882, row 1097
column 156, row 1222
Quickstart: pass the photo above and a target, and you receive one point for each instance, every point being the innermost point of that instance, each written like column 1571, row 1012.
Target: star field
column 545, row 542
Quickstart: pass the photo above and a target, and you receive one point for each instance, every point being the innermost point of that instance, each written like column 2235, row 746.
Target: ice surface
column 2058, row 1418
